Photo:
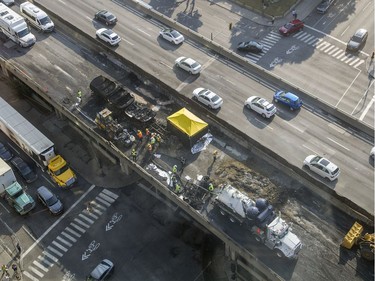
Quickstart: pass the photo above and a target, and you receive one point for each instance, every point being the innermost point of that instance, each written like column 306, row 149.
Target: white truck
column 36, row 17
column 260, row 218
column 15, row 27
column 7, row 176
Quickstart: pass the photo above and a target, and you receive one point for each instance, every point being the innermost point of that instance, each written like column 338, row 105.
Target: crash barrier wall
column 261, row 73
column 254, row 265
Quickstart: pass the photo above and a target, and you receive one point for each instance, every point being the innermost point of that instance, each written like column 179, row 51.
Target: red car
column 291, row 27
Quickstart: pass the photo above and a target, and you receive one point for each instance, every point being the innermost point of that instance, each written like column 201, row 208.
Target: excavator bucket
column 352, row 236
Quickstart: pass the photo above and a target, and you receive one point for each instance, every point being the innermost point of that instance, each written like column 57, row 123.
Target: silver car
column 102, row 271
column 357, row 40
column 50, row 200
column 188, row 65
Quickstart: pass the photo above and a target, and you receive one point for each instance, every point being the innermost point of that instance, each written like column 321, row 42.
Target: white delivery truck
column 36, row 17
column 15, row 27
column 7, row 176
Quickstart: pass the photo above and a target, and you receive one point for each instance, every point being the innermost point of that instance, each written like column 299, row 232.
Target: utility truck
column 15, row 27
column 260, row 218
column 12, row 190
column 35, row 144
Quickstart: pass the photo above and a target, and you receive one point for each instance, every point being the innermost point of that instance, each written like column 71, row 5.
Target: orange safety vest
column 139, row 134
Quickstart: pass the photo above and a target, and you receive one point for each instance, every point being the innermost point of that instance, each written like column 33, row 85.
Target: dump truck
column 259, row 217
column 35, row 144
column 19, row 199
column 365, row 242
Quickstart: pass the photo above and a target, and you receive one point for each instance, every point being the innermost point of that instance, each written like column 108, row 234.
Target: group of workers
column 151, row 138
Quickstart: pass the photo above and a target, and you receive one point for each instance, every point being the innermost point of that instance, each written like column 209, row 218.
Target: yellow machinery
column 365, row 242
column 105, row 122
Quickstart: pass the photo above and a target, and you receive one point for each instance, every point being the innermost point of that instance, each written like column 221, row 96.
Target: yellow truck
column 60, row 172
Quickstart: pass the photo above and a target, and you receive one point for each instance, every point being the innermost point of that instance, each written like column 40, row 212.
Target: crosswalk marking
column 109, row 193
column 338, row 52
column 359, row 63
column 332, row 51
column 354, row 61
column 55, row 251
column 106, row 197
column 58, row 245
column 64, row 241
column 97, row 205
column 86, row 218
column 77, row 227
column 340, row 55
column 41, row 266
column 103, row 201
column 330, row 48
column 69, row 236
column 51, row 257
column 81, row 223
column 73, row 232
column 87, row 213
column 45, row 261
column 37, row 272
column 30, row 276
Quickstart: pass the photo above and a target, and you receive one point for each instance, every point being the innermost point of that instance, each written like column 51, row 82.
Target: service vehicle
column 108, row 36
column 19, row 199
column 15, row 27
column 291, row 27
column 208, row 98
column 250, row 46
column 50, row 200
column 35, row 144
column 172, row 35
column 261, row 106
column 358, row 40
column 188, row 65
column 322, row 166
column 7, row 176
column 260, row 218
column 106, row 17
column 36, row 17
column 287, row 98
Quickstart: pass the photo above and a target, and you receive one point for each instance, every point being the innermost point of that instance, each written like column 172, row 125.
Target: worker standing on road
column 149, row 147
column 272, row 19
column 294, row 14
column 79, row 96
column 4, row 269
column 177, row 188
column 148, row 133
column 134, row 155
column 215, row 155
column 152, row 140
column 211, row 187
column 158, row 138
column 139, row 135
column 174, row 169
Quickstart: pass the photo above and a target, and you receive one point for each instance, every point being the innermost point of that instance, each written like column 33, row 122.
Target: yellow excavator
column 366, row 242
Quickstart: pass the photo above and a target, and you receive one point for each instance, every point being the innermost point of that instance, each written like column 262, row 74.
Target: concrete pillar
column 125, row 167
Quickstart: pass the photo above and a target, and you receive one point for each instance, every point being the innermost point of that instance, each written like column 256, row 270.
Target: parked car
column 172, row 35
column 188, row 65
column 261, row 106
column 50, row 200
column 287, row 98
column 250, row 46
column 102, row 271
column 5, row 153
column 106, row 17
column 108, row 36
column 322, row 166
column 291, row 27
column 208, row 98
column 323, row 6
column 24, row 169
column 357, row 40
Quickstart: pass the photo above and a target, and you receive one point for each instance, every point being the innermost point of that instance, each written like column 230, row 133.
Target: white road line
column 144, row 32
column 54, row 251
column 330, row 48
column 347, row 89
column 367, row 108
column 106, row 198
column 58, row 245
column 77, row 227
column 358, row 64
column 71, row 238
column 97, row 211
column 64, row 241
column 81, row 223
column 73, row 232
column 86, row 218
column 41, row 266
column 310, row 149
column 266, row 125
column 56, row 222
column 51, row 257
column 28, row 275
column 308, row 38
column 334, row 50
column 338, row 143
column 37, row 272
column 109, row 193
column 87, row 213
column 354, row 61
column 127, row 41
column 295, row 127
column 341, row 55
column 313, row 41
column 322, row 44
column 102, row 201
column 338, row 52
column 45, row 261
column 98, row 205
column 348, row 60
column 346, row 57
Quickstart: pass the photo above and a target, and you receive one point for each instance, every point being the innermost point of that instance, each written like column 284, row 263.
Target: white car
column 261, row 106
column 322, row 166
column 372, row 152
column 172, row 36
column 108, row 36
column 188, row 65
column 208, row 98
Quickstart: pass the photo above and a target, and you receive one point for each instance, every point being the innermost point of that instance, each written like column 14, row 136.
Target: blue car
column 287, row 98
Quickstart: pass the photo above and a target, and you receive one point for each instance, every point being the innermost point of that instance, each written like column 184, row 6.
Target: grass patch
column 272, row 7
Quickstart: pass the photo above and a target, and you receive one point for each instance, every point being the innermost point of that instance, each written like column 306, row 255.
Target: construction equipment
column 366, row 243
column 114, row 130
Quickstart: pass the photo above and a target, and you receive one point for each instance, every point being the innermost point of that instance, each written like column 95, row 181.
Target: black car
column 358, row 40
column 5, row 153
column 106, row 17
column 102, row 271
column 323, row 6
column 50, row 200
column 24, row 169
column 250, row 46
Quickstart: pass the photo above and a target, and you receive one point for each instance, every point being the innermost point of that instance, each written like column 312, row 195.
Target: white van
column 36, row 17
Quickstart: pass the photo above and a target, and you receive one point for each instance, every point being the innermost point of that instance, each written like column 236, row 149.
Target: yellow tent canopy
column 187, row 122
